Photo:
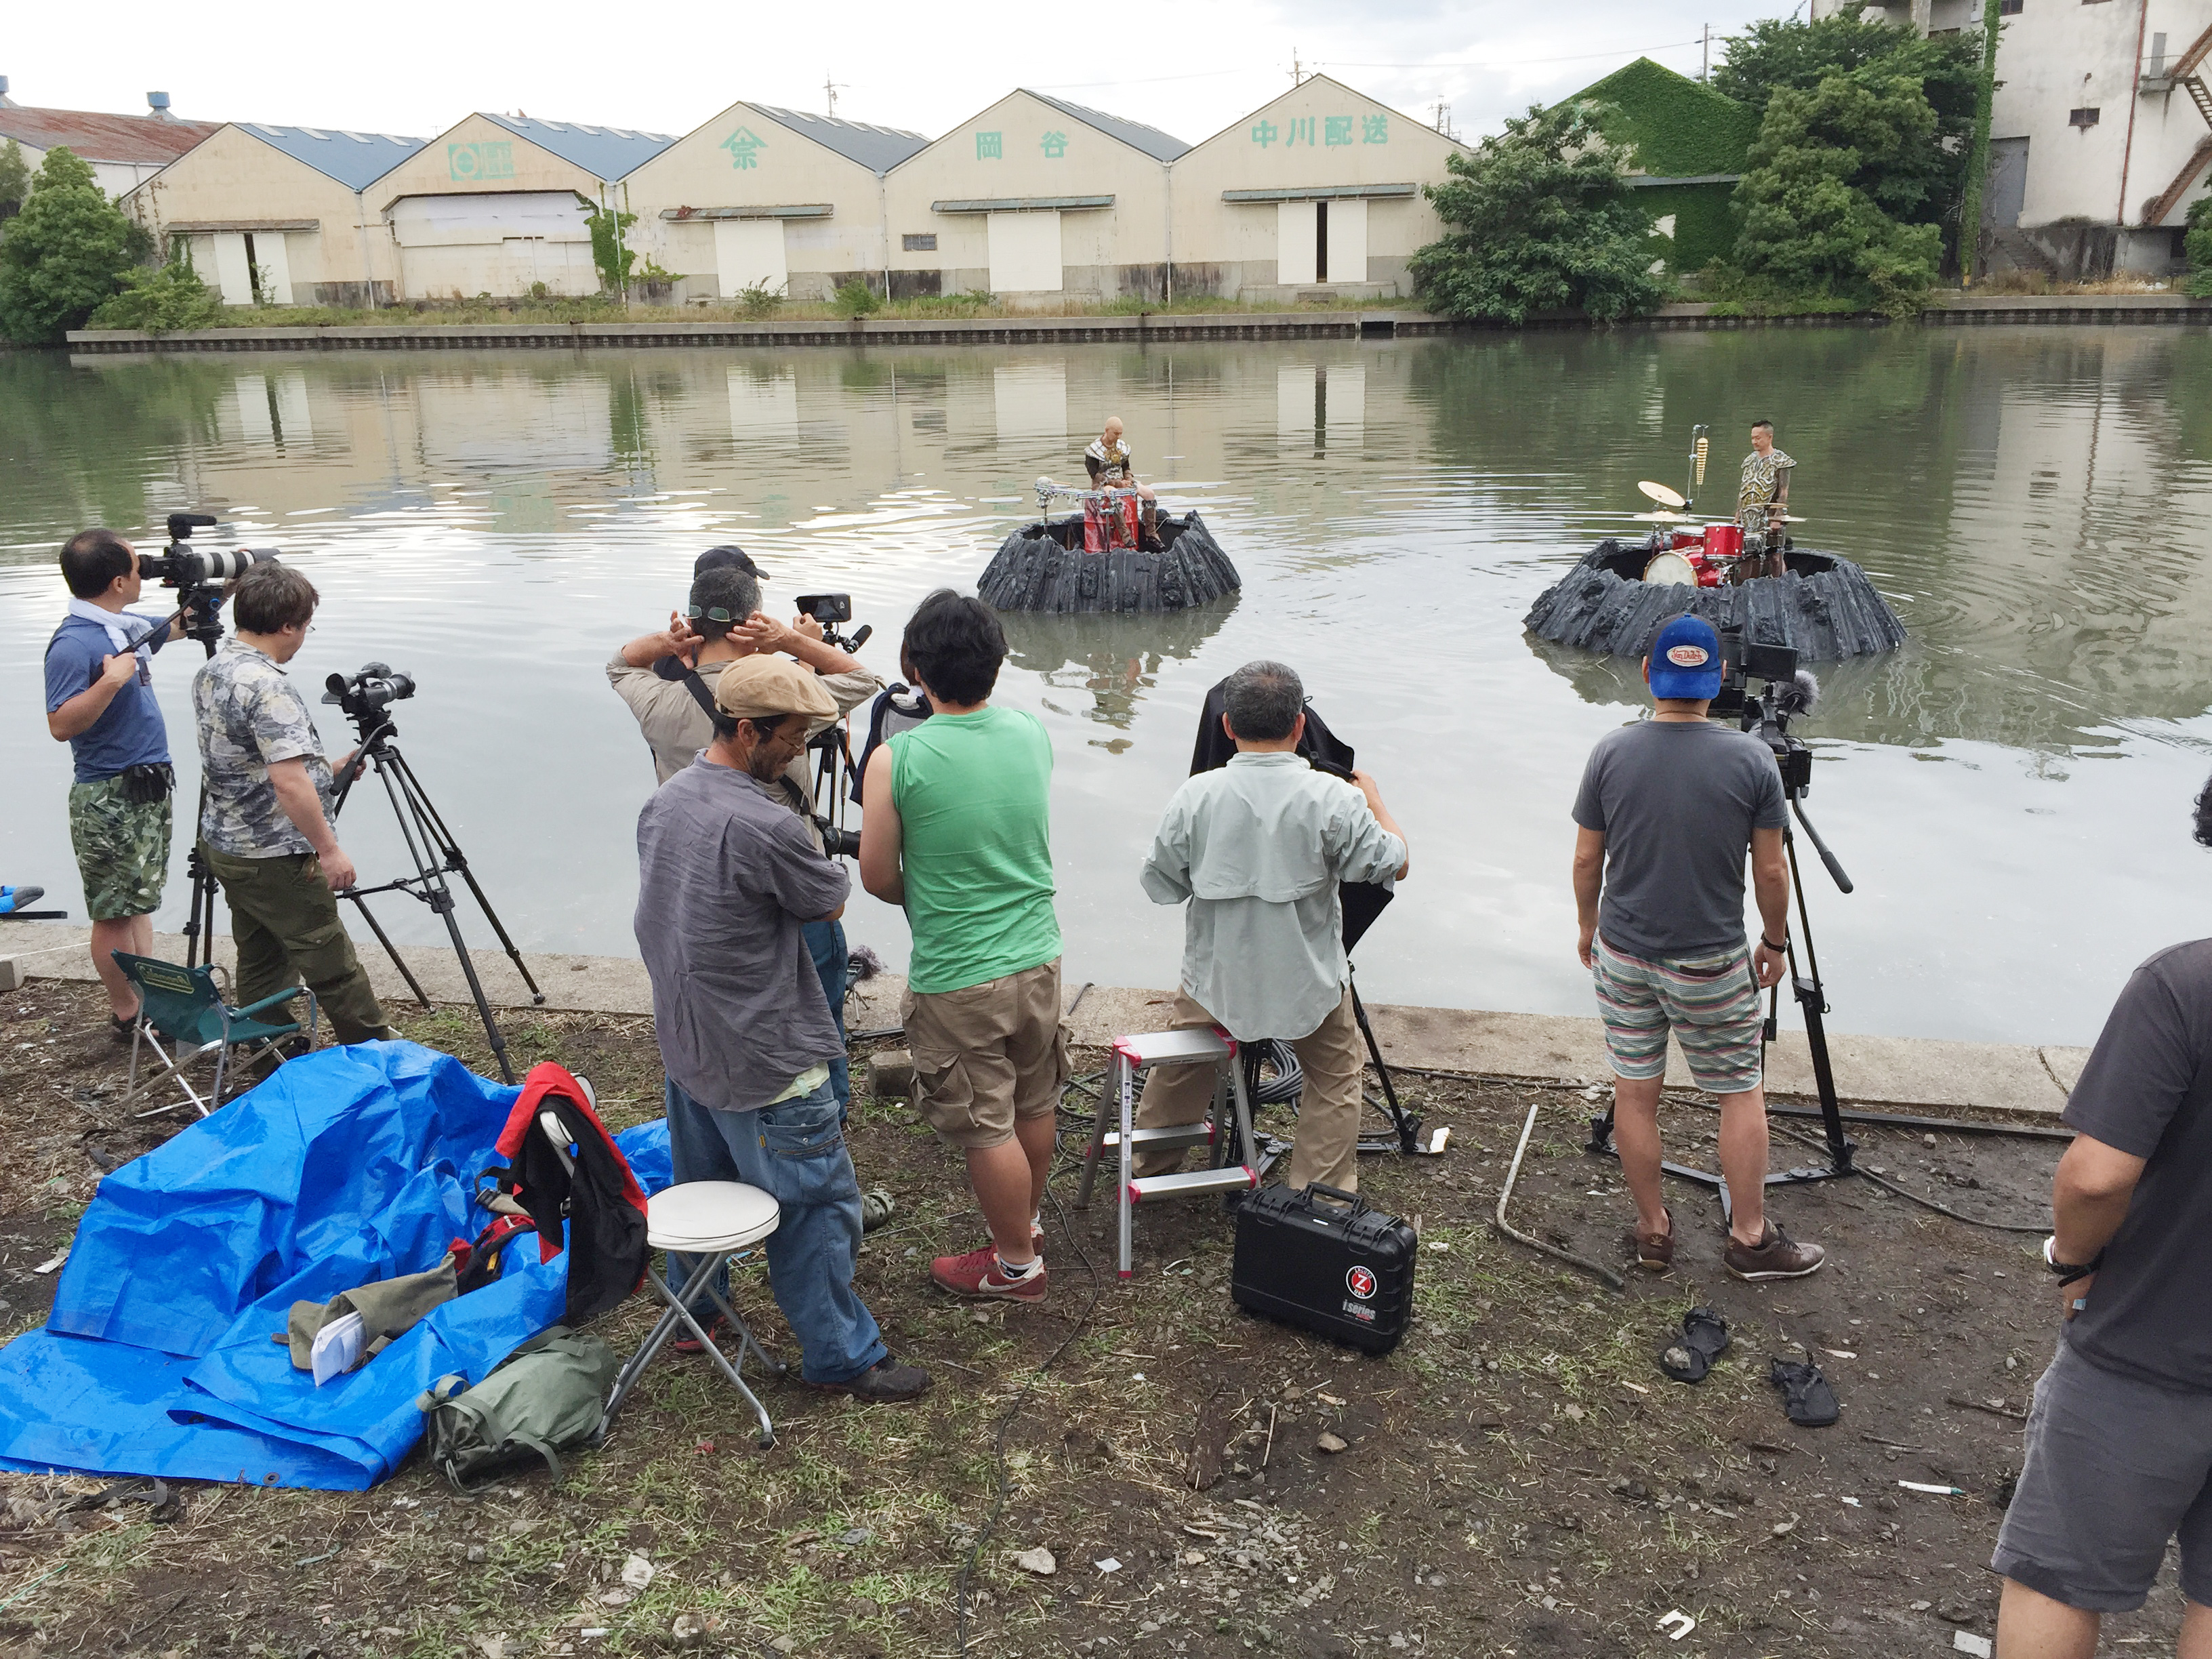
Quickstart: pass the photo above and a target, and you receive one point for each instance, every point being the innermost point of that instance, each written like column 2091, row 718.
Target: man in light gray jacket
column 1258, row 847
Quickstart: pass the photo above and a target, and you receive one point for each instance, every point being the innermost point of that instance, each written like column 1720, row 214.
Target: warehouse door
column 1024, row 252
column 2008, row 188
column 1347, row 259
column 1320, row 242
column 1296, row 249
column 749, row 253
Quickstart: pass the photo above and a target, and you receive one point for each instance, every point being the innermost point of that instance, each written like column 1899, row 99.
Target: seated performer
column 1763, row 502
column 1108, row 461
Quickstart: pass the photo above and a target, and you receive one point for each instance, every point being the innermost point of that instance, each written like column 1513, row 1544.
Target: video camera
column 1788, row 691
column 829, row 610
column 374, row 687
column 194, row 572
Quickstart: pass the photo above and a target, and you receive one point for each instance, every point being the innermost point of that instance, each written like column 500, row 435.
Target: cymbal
column 1660, row 517
column 1661, row 494
column 1793, row 518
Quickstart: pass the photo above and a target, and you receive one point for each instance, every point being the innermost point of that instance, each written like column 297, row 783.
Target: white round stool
column 705, row 1220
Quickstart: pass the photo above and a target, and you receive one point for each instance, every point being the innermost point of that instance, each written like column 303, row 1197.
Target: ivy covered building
column 1689, row 144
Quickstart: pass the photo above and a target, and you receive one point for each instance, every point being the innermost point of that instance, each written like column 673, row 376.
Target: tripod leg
column 435, row 831
column 1407, row 1125
column 416, row 816
column 414, row 985
column 1813, row 999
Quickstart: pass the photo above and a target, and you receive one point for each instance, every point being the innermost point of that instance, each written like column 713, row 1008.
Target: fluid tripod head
column 374, row 687
column 196, row 574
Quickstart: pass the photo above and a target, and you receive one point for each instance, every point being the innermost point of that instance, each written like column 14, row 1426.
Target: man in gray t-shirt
column 728, row 877
column 2119, row 1439
column 1666, row 812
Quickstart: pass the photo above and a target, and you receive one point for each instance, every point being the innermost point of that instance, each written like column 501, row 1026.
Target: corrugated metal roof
column 878, row 149
column 1161, row 146
column 97, row 138
column 355, row 159
column 605, row 153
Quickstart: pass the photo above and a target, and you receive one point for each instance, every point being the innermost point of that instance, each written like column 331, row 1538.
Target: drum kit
column 1733, row 552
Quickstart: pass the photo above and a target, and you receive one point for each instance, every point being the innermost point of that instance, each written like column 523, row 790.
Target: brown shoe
column 1654, row 1252
column 1778, row 1256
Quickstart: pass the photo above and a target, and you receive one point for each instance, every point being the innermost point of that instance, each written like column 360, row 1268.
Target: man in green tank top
column 958, row 830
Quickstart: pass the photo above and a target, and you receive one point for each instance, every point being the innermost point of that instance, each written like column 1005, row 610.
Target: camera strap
column 672, row 668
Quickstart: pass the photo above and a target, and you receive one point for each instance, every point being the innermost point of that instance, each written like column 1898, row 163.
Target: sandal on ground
column 122, row 1030
column 1806, row 1399
column 1705, row 1339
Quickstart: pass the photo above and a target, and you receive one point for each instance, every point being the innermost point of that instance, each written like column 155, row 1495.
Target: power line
column 1511, row 62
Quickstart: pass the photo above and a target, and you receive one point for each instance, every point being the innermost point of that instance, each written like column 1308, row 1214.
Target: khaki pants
column 285, row 923
column 986, row 1055
column 1328, row 1149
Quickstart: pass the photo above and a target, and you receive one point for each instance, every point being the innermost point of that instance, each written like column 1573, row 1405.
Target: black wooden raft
column 1037, row 569
column 1825, row 606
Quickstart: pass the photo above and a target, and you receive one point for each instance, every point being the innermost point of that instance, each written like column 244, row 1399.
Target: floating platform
column 1825, row 606
column 1043, row 566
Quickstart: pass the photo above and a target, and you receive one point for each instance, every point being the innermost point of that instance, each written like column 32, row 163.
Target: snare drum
column 1672, row 570
column 1723, row 541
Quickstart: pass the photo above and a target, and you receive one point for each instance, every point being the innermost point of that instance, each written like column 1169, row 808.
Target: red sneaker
column 688, row 1345
column 977, row 1274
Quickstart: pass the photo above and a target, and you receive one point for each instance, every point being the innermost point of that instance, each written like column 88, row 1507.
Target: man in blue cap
column 1668, row 809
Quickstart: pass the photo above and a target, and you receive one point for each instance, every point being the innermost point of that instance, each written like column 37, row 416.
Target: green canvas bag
column 545, row 1398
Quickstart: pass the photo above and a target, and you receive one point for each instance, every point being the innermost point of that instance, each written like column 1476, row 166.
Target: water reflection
column 1113, row 660
column 2035, row 501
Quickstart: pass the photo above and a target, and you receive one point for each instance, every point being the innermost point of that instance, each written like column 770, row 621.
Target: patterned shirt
column 252, row 716
column 1108, row 467
column 1762, row 478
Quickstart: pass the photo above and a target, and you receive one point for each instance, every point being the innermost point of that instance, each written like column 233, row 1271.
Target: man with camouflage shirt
column 266, row 831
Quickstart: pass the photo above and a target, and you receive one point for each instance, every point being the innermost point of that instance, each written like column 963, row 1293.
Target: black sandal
column 1705, row 1339
column 1806, row 1399
column 122, row 1030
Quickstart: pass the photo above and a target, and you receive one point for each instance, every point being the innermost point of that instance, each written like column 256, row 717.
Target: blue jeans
column 825, row 942
column 794, row 1151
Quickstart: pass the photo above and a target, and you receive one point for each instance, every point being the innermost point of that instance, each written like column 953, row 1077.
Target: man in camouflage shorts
column 99, row 701
column 266, row 829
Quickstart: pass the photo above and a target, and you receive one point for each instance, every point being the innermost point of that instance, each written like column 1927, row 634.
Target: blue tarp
column 347, row 1165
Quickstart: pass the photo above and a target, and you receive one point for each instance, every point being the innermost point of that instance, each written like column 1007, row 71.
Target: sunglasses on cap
column 716, row 614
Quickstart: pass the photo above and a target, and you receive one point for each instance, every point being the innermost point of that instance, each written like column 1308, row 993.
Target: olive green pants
column 284, row 921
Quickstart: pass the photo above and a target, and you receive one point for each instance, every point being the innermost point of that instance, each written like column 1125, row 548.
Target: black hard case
column 1306, row 1260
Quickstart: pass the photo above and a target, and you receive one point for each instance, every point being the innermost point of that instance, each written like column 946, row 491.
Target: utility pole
column 829, row 89
column 1705, row 56
column 1977, row 154
column 1297, row 69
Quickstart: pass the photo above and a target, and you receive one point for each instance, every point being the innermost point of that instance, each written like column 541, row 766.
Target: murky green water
column 2011, row 791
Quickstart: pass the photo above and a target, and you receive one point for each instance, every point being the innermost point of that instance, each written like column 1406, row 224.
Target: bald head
column 1113, row 429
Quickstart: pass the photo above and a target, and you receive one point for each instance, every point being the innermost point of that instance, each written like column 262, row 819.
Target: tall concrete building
column 2101, row 131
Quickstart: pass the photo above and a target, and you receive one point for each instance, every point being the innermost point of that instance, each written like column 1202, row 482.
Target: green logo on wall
column 990, row 147
column 744, row 146
column 469, row 162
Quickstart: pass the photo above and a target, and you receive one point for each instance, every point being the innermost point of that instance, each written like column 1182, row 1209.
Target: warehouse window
column 2009, row 8
column 2082, row 118
column 914, row 243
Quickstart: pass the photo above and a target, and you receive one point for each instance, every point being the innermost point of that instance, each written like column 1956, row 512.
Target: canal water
column 2011, row 791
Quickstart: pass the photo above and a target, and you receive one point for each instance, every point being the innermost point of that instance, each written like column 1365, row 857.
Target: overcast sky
column 413, row 68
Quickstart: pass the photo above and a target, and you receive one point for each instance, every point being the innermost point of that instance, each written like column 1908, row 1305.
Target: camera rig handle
column 1835, row 868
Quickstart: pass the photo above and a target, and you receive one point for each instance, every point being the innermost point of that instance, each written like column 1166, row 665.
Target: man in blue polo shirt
column 99, row 701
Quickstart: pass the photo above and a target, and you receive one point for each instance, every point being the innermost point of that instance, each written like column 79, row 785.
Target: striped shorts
column 1710, row 1002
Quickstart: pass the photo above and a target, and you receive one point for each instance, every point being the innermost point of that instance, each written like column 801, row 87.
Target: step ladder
column 1133, row 1054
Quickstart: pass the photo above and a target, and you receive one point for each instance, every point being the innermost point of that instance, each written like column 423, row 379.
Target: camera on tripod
column 1787, row 691
column 829, row 610
column 374, row 687
column 195, row 573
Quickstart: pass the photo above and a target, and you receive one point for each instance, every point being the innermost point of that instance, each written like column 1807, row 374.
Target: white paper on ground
column 337, row 1348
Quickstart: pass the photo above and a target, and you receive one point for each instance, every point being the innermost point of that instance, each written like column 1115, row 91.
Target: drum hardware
column 1661, row 494
column 1663, row 516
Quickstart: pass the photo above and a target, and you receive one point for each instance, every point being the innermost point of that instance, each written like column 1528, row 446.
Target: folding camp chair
column 183, row 1004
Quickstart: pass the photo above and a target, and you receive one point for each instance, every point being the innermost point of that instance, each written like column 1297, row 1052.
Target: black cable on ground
column 1013, row 1409
column 1888, row 1185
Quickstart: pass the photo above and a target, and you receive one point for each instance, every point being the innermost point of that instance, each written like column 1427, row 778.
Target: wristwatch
column 2068, row 1271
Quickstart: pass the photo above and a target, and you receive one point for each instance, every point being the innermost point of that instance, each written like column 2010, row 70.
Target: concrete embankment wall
column 1891, row 1073
column 2155, row 309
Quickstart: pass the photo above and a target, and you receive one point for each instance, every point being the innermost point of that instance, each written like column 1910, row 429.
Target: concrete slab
column 1887, row 1072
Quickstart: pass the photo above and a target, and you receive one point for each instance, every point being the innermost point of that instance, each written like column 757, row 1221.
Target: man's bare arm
column 2089, row 1199
column 1590, row 880
column 880, row 832
column 1770, row 887
column 295, row 794
column 81, row 712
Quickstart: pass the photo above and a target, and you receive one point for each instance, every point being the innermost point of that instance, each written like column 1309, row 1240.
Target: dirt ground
column 1517, row 1479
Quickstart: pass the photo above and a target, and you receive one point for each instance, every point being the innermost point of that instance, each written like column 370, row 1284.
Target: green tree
column 167, row 300
column 1920, row 183
column 1539, row 219
column 1817, row 200
column 2197, row 244
column 64, row 253
column 855, row 299
column 15, row 180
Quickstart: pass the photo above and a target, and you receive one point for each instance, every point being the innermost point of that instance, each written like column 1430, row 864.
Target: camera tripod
column 436, row 856
column 1812, row 998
